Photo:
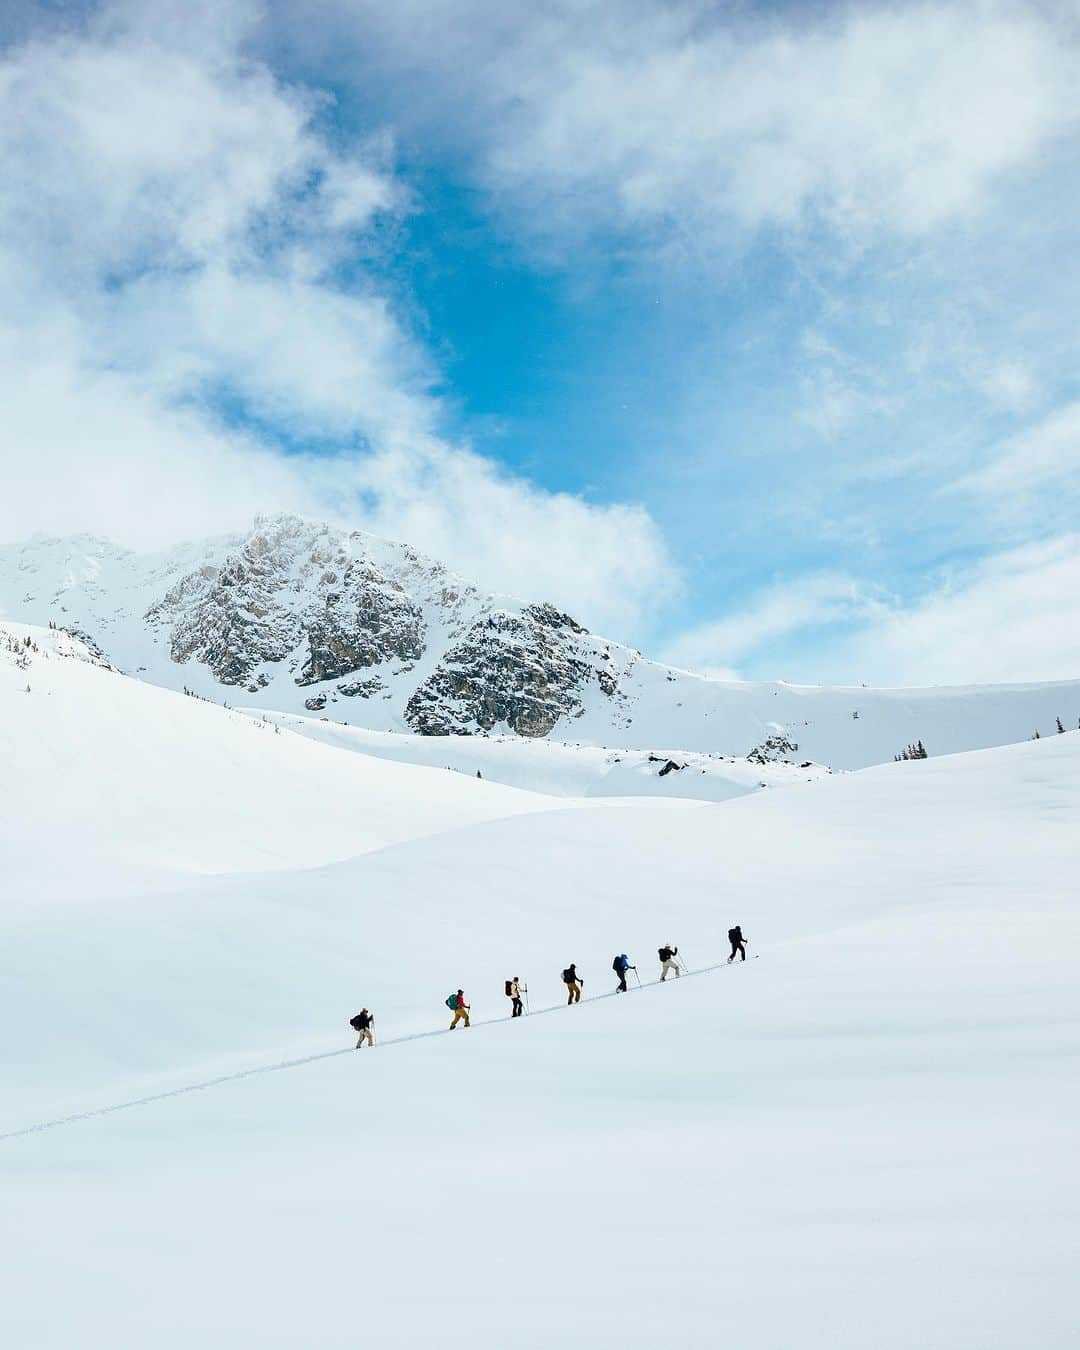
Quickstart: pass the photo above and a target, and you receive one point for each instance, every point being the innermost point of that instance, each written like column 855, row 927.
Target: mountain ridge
column 301, row 617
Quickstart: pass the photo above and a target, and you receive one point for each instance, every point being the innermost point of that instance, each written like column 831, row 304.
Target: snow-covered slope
column 104, row 774
column 559, row 769
column 297, row 616
column 866, row 1137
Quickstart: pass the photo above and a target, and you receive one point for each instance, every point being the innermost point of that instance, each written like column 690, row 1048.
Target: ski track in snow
column 285, row 1064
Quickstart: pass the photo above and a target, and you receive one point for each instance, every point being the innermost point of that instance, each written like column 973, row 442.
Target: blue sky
column 746, row 333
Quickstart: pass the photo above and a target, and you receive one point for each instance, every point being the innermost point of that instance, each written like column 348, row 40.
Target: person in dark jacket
column 620, row 966
column 738, row 943
column 363, row 1022
column 668, row 962
column 573, row 984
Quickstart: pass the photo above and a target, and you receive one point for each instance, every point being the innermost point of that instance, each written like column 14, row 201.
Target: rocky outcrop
column 774, row 749
column 519, row 671
column 300, row 615
column 365, row 620
column 290, row 593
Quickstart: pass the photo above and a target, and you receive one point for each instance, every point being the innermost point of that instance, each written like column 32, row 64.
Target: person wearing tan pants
column 461, row 1011
column 363, row 1023
column 669, row 964
column 573, row 984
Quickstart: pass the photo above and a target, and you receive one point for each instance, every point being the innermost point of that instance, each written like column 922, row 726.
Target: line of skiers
column 518, row 992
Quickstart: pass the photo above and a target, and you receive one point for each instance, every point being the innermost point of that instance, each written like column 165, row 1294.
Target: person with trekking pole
column 457, row 1005
column 363, row 1023
column 515, row 989
column 573, row 984
column 738, row 943
column 620, row 966
column 668, row 962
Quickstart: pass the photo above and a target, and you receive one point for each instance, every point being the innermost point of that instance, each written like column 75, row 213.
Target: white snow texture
column 865, row 1138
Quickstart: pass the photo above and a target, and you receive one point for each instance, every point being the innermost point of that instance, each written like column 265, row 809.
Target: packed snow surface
column 864, row 1138
column 106, row 778
column 559, row 769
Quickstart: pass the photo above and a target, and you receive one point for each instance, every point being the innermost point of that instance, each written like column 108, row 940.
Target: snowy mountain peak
column 297, row 616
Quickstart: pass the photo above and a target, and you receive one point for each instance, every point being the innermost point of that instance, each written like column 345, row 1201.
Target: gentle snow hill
column 298, row 616
column 559, row 769
column 864, row 1138
column 109, row 782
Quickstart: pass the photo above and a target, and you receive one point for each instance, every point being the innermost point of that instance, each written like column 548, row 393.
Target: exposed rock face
column 288, row 589
column 368, row 620
column 300, row 615
column 521, row 670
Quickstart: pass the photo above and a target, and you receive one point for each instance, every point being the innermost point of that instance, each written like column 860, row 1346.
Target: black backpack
column 734, row 934
column 665, row 953
column 359, row 1022
column 568, row 976
column 509, row 988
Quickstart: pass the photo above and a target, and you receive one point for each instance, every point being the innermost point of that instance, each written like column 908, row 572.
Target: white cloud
column 608, row 561
column 681, row 118
column 1010, row 384
column 171, row 231
column 810, row 602
column 1044, row 455
column 1012, row 617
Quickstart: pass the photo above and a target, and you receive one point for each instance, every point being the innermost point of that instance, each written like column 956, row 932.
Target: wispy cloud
column 1014, row 616
column 182, row 250
column 1045, row 455
column 688, row 118
column 810, row 603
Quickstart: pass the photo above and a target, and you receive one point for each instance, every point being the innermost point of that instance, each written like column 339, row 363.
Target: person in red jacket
column 461, row 1011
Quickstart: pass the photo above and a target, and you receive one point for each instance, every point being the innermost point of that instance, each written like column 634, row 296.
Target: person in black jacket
column 363, row 1022
column 738, row 943
column 573, row 984
column 668, row 962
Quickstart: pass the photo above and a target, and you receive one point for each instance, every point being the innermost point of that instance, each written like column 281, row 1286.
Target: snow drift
column 863, row 1138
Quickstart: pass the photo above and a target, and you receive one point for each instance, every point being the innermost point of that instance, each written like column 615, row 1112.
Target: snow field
column 559, row 769
column 838, row 1151
column 864, row 1138
column 110, row 783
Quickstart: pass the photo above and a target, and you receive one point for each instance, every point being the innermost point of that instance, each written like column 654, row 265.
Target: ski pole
column 636, row 976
